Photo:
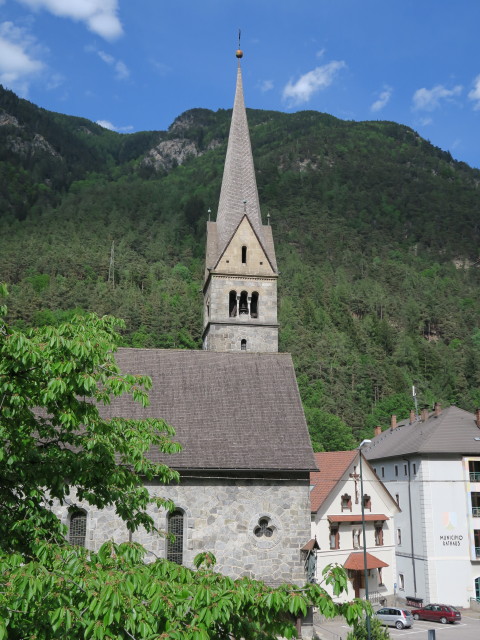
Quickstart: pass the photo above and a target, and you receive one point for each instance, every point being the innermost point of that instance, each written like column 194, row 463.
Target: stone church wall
column 222, row 516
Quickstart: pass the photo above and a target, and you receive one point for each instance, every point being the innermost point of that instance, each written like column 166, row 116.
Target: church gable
column 244, row 254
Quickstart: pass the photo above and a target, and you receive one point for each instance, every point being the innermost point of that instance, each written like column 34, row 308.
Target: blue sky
column 134, row 65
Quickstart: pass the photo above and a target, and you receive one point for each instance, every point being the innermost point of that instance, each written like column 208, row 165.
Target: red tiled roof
column 333, row 465
column 311, row 545
column 369, row 517
column 355, row 562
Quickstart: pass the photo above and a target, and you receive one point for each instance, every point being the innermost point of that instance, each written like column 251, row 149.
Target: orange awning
column 355, row 562
column 369, row 517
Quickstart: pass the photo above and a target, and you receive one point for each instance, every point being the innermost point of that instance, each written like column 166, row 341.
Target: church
column 235, row 406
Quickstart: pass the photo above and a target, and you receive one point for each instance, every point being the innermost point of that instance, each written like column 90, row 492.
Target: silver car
column 394, row 617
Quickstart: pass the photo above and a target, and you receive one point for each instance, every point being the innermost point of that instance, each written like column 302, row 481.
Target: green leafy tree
column 53, row 439
column 360, row 632
column 52, row 435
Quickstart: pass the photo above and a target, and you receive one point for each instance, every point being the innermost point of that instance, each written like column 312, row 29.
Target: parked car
column 438, row 613
column 394, row 617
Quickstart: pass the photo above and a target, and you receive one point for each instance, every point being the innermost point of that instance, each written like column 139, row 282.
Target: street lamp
column 361, row 445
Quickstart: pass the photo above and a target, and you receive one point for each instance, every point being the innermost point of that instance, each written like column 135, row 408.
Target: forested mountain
column 377, row 235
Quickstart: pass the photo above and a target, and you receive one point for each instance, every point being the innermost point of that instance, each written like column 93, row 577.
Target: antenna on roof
column 414, row 394
column 239, row 36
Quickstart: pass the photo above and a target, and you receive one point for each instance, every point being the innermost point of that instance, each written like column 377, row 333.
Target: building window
column 334, row 537
column 399, row 537
column 477, row 588
column 77, row 530
column 254, row 305
column 476, row 535
column 244, row 255
column 474, row 470
column 263, row 528
column 356, row 538
column 346, row 502
column 397, row 499
column 405, row 470
column 475, row 504
column 367, row 502
column 232, row 304
column 396, row 470
column 243, row 345
column 243, row 310
column 379, row 535
column 401, row 582
column 175, row 529
column 375, row 470
column 414, row 468
column 383, row 472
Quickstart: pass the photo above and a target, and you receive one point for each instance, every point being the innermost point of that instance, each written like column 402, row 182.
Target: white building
column 432, row 467
column 335, row 498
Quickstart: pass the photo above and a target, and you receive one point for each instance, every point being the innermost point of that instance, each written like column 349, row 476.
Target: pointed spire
column 239, row 195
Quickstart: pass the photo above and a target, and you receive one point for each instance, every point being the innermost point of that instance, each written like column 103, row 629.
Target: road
column 467, row 629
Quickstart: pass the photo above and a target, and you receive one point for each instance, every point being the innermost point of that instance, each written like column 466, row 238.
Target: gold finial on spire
column 239, row 52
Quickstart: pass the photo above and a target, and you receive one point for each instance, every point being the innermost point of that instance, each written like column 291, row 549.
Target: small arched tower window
column 175, row 528
column 232, row 304
column 254, row 305
column 244, row 255
column 243, row 345
column 77, row 531
column 243, row 303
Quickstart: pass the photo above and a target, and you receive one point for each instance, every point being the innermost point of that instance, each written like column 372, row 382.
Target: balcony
column 476, row 512
column 474, row 476
column 477, row 552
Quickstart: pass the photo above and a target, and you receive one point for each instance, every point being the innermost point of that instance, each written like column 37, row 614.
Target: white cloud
column 319, row 78
column 18, row 64
column 121, row 70
column 266, row 85
column 106, row 124
column 429, row 99
column 100, row 16
column 474, row 94
column 383, row 99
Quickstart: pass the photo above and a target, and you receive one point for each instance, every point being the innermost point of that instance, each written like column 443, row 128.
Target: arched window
column 243, row 303
column 243, row 345
column 244, row 255
column 175, row 528
column 232, row 304
column 77, row 531
column 254, row 305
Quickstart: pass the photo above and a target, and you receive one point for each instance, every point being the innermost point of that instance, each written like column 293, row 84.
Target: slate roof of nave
column 230, row 410
column 453, row 432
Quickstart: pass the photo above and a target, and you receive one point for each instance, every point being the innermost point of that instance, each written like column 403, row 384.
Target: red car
column 438, row 613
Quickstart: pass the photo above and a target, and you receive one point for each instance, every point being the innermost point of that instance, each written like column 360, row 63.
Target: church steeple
column 239, row 194
column 240, row 289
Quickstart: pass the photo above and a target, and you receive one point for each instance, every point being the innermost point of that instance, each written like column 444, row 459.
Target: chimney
column 393, row 422
column 477, row 417
column 412, row 416
column 437, row 408
column 378, row 429
column 424, row 414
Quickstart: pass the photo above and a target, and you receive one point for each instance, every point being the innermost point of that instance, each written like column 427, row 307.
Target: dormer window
column 244, row 255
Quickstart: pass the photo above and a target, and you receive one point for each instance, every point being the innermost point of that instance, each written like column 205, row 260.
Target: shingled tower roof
column 238, row 195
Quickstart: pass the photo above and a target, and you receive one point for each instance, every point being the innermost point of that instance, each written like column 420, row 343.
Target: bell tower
column 240, row 287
